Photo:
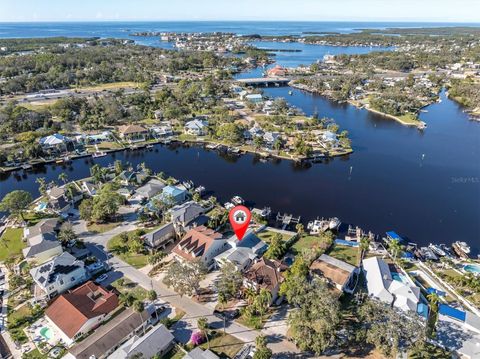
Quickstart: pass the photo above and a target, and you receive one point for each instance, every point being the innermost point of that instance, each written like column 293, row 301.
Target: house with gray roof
column 184, row 214
column 196, row 127
column 199, row 353
column 42, row 241
column 160, row 237
column 150, row 189
column 58, row 275
column 158, row 340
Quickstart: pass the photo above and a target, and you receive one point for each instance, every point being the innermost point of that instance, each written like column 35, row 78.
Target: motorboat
column 462, row 249
column 334, row 223
column 237, row 200
column 428, row 254
column 99, row 154
column 437, row 250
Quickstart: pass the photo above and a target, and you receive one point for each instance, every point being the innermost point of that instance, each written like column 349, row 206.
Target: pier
column 264, row 81
column 287, row 219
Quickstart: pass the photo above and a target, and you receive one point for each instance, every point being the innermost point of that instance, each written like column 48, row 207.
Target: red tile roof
column 196, row 242
column 72, row 310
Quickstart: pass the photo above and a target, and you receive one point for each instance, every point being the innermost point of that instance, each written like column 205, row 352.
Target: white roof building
column 384, row 287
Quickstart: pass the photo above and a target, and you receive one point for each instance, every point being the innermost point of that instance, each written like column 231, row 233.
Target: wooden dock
column 287, row 219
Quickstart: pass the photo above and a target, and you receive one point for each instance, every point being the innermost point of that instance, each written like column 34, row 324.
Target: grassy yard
column 19, row 319
column 224, row 345
column 35, row 354
column 346, row 254
column 267, row 236
column 101, row 227
column 11, row 243
column 120, row 247
column 110, row 86
column 128, row 286
column 307, row 242
column 106, row 146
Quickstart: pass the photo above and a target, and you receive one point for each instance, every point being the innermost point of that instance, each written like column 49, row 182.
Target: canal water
column 425, row 185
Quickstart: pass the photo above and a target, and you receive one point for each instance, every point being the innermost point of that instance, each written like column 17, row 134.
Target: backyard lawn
column 267, row 236
column 11, row 243
column 307, row 242
column 224, row 345
column 346, row 254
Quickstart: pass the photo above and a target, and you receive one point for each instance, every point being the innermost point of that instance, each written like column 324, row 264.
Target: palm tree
column 202, row 324
column 263, row 300
column 364, row 245
column 250, row 295
column 395, row 248
column 139, row 307
column 63, row 177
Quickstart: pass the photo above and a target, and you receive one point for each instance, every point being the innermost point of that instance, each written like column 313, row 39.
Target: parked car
column 101, row 278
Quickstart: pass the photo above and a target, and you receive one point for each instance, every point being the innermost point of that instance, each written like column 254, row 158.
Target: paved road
column 97, row 243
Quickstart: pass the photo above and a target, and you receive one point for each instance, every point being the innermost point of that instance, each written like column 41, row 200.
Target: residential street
column 97, row 243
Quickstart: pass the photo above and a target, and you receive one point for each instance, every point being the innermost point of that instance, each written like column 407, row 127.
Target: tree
column 67, row 234
column 314, row 321
column 152, row 295
column 86, row 209
column 229, row 281
column 202, row 324
column 135, row 246
column 63, row 177
column 434, row 300
column 156, row 258
column 276, row 248
column 262, row 351
column 300, row 228
column 389, row 329
column 262, row 301
column 105, row 204
column 395, row 248
column 364, row 245
column 118, row 167
column 185, row 278
column 42, row 185
column 127, row 299
column 16, row 202
column 258, row 142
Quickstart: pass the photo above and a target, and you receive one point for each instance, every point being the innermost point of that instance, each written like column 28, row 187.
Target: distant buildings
column 277, row 71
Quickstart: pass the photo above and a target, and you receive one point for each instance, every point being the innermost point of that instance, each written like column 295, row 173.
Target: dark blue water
column 424, row 185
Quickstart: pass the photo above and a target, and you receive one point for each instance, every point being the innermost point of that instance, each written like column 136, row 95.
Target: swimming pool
column 399, row 277
column 472, row 268
column 46, row 333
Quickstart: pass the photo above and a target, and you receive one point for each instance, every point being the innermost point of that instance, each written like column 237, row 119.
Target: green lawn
column 308, row 242
column 267, row 236
column 11, row 243
column 101, row 227
column 224, row 345
column 128, row 286
column 346, row 254
column 34, row 354
column 18, row 320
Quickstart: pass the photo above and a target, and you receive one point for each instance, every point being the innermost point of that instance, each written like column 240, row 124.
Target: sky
column 205, row 10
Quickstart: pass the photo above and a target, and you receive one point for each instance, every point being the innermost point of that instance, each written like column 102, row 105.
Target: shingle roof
column 199, row 353
column 333, row 269
column 70, row 311
column 196, row 242
column 130, row 129
column 266, row 273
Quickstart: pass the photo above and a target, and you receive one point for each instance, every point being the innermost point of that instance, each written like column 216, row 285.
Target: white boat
column 437, row 250
column 237, row 200
column 317, row 226
column 228, row 205
column 99, row 154
column 334, row 223
column 428, row 254
column 462, row 249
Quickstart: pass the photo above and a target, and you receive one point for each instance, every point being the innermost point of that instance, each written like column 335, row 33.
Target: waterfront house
column 60, row 200
column 58, row 275
column 89, row 188
column 184, row 215
column 266, row 274
column 42, row 241
column 158, row 341
column 150, row 189
column 55, row 142
column 133, row 133
column 254, row 132
column 338, row 273
column 173, row 194
column 164, row 129
column 255, row 98
column 200, row 243
column 277, row 71
column 270, row 137
column 77, row 312
column 199, row 353
column 242, row 253
column 161, row 237
column 382, row 285
column 110, row 336
column 329, row 137
column 196, row 127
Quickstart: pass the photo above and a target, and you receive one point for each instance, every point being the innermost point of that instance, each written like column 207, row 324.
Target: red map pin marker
column 240, row 219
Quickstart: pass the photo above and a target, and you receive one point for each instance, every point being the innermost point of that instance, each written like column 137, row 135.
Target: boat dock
column 287, row 219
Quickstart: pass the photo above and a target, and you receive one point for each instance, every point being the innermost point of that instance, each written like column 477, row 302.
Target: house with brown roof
column 200, row 243
column 77, row 312
column 266, row 274
column 336, row 272
column 133, row 133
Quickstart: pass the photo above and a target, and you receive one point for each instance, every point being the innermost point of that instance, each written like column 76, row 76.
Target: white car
column 101, row 278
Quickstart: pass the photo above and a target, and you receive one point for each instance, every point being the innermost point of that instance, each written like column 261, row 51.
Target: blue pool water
column 399, row 277
column 472, row 268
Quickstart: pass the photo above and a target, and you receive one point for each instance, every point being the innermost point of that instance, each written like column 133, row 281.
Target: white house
column 196, row 127
column 384, row 287
column 81, row 310
column 338, row 273
column 58, row 275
